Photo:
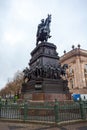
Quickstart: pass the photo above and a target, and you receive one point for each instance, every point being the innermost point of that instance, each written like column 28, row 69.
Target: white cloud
column 13, row 37
column 24, row 10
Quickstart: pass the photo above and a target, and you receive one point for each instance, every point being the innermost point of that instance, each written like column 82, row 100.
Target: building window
column 85, row 69
column 85, row 72
column 70, row 71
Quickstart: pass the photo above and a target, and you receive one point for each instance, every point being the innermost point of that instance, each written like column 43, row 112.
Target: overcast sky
column 18, row 26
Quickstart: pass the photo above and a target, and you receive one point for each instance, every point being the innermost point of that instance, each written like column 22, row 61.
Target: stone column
column 82, row 74
column 78, row 73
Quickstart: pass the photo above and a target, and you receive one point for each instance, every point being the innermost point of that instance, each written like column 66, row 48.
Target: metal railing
column 46, row 112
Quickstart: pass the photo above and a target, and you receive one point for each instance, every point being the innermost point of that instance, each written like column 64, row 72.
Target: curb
column 44, row 122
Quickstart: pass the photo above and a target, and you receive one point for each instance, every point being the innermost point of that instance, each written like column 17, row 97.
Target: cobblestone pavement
column 23, row 126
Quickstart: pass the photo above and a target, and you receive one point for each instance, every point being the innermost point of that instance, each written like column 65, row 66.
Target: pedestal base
column 47, row 89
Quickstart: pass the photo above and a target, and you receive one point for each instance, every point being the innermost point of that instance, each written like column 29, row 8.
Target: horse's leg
column 46, row 38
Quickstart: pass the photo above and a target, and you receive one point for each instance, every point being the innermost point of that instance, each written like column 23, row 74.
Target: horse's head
column 48, row 20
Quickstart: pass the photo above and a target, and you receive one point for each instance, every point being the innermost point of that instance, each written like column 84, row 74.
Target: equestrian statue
column 43, row 31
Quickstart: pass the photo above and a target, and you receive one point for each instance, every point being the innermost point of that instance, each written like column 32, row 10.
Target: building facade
column 77, row 69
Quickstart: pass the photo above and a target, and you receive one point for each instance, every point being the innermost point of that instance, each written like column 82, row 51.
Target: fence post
column 25, row 111
column 82, row 110
column 56, row 107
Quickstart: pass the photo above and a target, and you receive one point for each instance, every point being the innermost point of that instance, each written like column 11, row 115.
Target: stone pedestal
column 44, row 54
column 45, row 82
column 47, row 89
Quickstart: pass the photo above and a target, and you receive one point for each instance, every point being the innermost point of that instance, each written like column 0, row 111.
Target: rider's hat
column 42, row 20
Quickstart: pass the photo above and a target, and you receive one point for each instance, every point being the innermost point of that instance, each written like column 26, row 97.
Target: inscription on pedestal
column 38, row 86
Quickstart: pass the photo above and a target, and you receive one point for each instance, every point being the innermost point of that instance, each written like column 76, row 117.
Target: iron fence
column 47, row 112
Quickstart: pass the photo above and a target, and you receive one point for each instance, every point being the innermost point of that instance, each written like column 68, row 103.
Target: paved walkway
column 23, row 126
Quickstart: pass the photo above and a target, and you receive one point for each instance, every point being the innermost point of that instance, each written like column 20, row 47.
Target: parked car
column 78, row 97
